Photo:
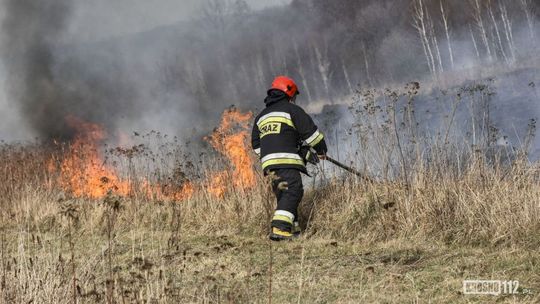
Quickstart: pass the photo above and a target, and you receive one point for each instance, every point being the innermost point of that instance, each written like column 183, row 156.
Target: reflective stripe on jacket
column 280, row 129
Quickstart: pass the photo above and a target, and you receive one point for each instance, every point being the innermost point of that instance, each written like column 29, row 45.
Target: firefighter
column 286, row 139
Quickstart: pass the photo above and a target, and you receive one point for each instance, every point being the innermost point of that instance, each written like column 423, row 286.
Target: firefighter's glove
column 309, row 155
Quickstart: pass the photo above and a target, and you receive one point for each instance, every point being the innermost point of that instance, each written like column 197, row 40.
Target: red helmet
column 286, row 85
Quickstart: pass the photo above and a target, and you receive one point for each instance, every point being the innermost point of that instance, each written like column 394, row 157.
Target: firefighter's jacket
column 280, row 130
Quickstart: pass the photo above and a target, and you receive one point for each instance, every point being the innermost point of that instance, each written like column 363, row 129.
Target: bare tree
column 477, row 15
column 259, row 71
column 435, row 41
column 508, row 30
column 529, row 15
column 301, row 71
column 323, row 65
column 347, row 79
column 218, row 12
column 232, row 85
column 366, row 64
column 240, row 9
column 497, row 32
column 214, row 13
column 170, row 72
column 246, row 77
column 474, row 43
column 279, row 57
column 217, row 17
column 419, row 22
column 271, row 64
column 196, row 79
column 444, row 15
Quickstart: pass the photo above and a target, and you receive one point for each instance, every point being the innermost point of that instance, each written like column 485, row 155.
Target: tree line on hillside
column 231, row 53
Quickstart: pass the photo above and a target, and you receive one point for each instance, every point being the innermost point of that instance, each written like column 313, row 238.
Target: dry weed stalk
column 70, row 212
column 456, row 192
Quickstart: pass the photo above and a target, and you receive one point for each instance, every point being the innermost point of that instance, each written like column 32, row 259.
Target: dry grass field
column 160, row 229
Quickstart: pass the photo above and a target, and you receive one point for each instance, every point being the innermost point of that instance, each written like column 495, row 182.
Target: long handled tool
column 347, row 168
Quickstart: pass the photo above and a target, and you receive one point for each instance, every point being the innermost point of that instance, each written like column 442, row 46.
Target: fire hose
column 310, row 156
column 346, row 168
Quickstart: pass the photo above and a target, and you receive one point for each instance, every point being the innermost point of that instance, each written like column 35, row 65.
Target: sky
column 101, row 19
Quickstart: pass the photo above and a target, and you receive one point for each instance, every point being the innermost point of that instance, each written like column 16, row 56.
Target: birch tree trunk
column 259, row 72
column 302, row 72
column 447, row 31
column 435, row 42
column 347, row 79
column 474, row 42
column 197, row 84
column 508, row 30
column 420, row 26
column 271, row 64
column 526, row 6
column 282, row 67
column 497, row 32
column 477, row 9
column 366, row 64
column 323, row 64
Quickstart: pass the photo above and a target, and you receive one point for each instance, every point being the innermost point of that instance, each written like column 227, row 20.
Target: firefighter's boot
column 280, row 235
column 282, row 226
column 296, row 231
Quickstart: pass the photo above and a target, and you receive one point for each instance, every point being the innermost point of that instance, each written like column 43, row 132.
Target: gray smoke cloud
column 132, row 67
column 45, row 90
column 29, row 31
column 101, row 19
column 102, row 62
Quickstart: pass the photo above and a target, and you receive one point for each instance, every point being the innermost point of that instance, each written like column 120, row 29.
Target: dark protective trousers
column 289, row 190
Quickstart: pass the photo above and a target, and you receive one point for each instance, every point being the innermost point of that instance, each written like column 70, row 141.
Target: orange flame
column 233, row 144
column 83, row 172
column 217, row 185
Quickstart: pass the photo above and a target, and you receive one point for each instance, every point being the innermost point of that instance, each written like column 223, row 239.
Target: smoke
column 29, row 33
column 107, row 68
column 63, row 58
column 44, row 83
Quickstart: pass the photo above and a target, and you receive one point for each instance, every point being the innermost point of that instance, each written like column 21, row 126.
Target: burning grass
column 427, row 223
column 80, row 169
